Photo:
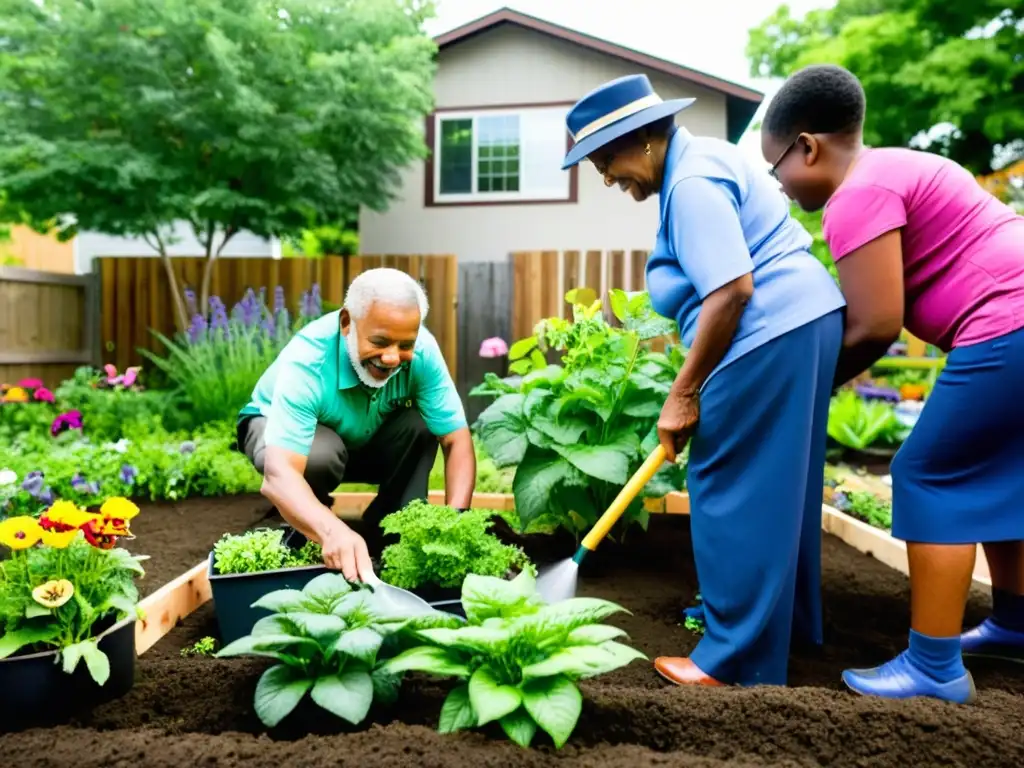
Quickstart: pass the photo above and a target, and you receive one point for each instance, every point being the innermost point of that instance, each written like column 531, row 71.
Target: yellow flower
column 53, row 594
column 58, row 539
column 67, row 513
column 20, row 532
column 16, row 395
column 119, row 508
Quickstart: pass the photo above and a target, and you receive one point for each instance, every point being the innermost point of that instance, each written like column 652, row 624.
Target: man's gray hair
column 388, row 286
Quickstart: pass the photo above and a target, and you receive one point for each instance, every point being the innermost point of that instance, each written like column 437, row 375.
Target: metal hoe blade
column 400, row 600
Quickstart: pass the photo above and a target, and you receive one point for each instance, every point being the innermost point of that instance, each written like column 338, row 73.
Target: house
column 493, row 182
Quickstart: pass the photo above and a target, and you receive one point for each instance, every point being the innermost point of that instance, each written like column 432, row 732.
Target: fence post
column 92, row 341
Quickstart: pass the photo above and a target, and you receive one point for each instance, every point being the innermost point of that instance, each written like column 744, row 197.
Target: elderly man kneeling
column 361, row 395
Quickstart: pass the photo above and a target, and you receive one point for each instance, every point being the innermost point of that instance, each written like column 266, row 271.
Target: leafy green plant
column 518, row 658
column 202, row 647
column 328, row 639
column 440, row 545
column 577, row 431
column 868, row 507
column 261, row 550
column 860, row 424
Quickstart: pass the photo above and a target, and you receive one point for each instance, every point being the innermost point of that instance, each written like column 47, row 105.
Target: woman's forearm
column 861, row 349
column 716, row 325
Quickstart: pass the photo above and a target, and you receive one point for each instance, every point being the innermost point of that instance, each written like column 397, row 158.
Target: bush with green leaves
column 518, row 658
column 578, row 430
column 260, row 550
column 329, row 640
column 439, row 545
column 155, row 465
column 860, row 424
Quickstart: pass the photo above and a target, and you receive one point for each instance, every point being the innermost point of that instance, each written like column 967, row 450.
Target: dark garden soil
column 198, row 711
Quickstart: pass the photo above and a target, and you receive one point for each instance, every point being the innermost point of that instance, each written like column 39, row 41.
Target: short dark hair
column 822, row 98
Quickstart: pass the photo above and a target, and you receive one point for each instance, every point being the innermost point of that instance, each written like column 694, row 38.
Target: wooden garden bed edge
column 173, row 602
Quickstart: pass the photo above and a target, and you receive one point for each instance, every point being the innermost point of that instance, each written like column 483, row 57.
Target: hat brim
column 621, row 127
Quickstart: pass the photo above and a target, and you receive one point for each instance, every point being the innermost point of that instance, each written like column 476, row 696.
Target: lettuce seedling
column 328, row 639
column 520, row 658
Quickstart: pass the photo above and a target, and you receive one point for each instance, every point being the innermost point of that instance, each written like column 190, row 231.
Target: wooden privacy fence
column 136, row 296
column 47, row 324
column 541, row 278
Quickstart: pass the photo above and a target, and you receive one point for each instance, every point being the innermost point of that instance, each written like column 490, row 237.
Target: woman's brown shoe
column 682, row 671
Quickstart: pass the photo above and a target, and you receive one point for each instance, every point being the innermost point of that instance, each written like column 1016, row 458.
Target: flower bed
column 192, row 709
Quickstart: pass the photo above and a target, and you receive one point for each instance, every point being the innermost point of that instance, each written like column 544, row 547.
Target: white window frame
column 489, row 197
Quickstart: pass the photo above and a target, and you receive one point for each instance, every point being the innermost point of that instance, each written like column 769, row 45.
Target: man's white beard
column 352, row 343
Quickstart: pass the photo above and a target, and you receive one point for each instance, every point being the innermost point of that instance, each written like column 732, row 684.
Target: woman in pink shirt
column 918, row 243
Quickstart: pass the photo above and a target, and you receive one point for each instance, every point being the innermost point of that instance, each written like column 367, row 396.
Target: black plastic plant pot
column 40, row 692
column 234, row 594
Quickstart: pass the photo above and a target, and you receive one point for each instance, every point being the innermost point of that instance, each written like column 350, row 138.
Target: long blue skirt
column 959, row 477
column 756, row 472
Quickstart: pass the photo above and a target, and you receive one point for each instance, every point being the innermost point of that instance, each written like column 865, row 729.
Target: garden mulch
column 198, row 711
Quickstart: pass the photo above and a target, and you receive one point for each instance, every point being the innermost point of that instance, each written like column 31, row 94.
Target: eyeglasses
column 774, row 171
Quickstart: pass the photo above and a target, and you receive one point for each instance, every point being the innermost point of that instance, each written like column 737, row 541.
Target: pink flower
column 130, row 375
column 43, row 394
column 493, row 347
column 30, row 383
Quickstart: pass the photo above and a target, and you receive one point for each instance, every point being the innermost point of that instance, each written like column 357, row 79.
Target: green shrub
column 261, row 550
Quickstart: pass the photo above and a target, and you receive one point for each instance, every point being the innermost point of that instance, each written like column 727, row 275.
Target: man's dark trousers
column 398, row 458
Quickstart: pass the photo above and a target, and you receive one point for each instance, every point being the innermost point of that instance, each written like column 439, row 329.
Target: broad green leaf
column 604, row 462
column 644, row 407
column 549, row 375
column 555, row 705
column 622, row 653
column 669, row 478
column 278, row 692
column 326, row 589
column 34, row 611
column 275, row 624
column 522, row 348
column 362, row 644
column 456, row 712
column 385, row 686
column 650, row 442
column 347, row 695
column 578, row 500
column 536, row 477
column 255, row 644
column 120, row 602
column 322, row 627
column 281, row 601
column 502, row 430
column 619, row 303
column 594, row 634
column 96, row 661
column 538, row 360
column 485, row 597
column 566, row 615
column 14, row 641
column 70, row 655
column 429, row 660
column 470, row 638
column 521, row 367
column 519, row 727
column 581, row 296
column 491, row 699
column 574, row 661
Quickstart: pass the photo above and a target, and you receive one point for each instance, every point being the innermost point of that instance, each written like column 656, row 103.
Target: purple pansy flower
column 128, row 474
column 33, row 483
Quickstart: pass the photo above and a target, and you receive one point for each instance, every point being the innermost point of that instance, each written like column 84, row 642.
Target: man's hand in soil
column 346, row 551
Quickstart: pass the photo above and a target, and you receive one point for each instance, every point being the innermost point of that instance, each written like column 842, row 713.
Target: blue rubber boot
column 931, row 666
column 992, row 641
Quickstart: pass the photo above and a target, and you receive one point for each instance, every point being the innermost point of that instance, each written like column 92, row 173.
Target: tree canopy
column 125, row 116
column 923, row 63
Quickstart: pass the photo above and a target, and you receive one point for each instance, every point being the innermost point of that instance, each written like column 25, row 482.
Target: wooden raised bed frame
column 178, row 598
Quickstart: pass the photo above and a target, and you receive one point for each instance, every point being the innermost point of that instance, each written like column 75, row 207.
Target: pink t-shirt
column 963, row 249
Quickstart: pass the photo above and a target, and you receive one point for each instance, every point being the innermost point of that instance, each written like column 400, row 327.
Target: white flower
column 121, row 446
column 8, row 476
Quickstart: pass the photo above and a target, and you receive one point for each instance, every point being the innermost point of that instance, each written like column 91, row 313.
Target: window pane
column 456, row 162
column 497, row 142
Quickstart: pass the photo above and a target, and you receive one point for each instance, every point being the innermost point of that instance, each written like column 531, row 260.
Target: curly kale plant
column 578, row 431
column 440, row 545
column 328, row 640
column 519, row 658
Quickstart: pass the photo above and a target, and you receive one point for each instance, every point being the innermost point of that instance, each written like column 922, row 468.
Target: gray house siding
column 511, row 65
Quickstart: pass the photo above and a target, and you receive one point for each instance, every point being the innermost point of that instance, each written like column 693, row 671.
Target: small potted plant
column 439, row 546
column 245, row 567
column 68, row 606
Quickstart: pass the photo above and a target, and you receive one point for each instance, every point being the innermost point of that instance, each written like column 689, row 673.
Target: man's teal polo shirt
column 313, row 382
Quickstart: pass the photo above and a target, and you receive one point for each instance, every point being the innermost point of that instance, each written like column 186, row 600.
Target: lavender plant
column 216, row 363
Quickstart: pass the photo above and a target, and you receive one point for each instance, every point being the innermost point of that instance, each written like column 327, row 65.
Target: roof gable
column 741, row 102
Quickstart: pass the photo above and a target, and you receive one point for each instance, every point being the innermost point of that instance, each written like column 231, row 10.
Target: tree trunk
column 180, row 313
column 211, row 261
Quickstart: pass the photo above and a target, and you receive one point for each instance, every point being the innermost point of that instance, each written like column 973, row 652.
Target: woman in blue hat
column 763, row 323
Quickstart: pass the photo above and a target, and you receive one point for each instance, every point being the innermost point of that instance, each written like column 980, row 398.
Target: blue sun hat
column 613, row 110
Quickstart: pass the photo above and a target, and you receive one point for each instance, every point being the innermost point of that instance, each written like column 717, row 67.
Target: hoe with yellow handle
column 559, row 583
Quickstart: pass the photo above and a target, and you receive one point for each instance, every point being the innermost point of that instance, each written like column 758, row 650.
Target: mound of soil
column 187, row 711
